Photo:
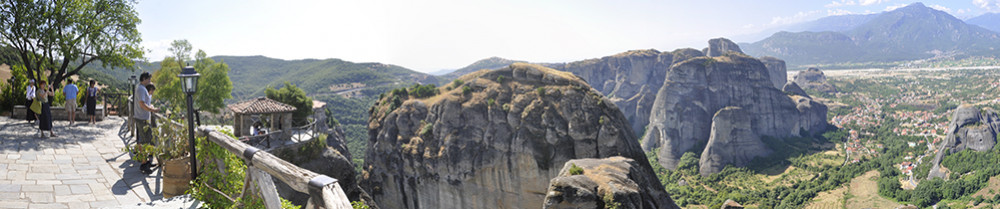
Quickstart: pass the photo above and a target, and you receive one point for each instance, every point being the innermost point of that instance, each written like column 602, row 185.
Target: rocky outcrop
column 720, row 46
column 695, row 89
column 970, row 128
column 328, row 156
column 493, row 141
column 605, row 182
column 791, row 88
column 814, row 79
column 731, row 204
column 629, row 79
column 776, row 69
column 732, row 142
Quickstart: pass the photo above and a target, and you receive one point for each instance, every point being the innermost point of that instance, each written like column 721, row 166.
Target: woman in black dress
column 45, row 121
column 92, row 101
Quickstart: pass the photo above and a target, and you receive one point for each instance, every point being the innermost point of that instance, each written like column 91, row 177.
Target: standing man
column 143, row 111
column 30, row 94
column 70, row 91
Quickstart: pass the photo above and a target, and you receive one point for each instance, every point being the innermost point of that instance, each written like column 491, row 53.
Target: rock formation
column 604, row 182
column 791, row 88
column 970, row 128
column 732, row 141
column 494, row 141
column 330, row 158
column 695, row 89
column 814, row 79
column 776, row 69
column 629, row 79
column 720, row 46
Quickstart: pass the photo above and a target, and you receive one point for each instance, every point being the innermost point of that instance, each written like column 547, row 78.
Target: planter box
column 176, row 175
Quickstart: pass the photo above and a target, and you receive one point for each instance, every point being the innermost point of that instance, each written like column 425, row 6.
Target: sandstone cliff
column 605, row 182
column 732, row 142
column 777, row 70
column 695, row 89
column 970, row 128
column 814, row 79
column 721, row 46
column 494, row 141
column 629, row 79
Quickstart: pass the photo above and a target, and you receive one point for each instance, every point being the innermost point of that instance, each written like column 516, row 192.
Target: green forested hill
column 251, row 74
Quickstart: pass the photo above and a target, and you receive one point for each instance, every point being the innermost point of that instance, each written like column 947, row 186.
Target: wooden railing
column 324, row 191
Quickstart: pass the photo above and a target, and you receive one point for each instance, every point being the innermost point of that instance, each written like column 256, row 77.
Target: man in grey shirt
column 143, row 111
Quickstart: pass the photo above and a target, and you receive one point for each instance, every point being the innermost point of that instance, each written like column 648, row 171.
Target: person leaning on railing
column 143, row 110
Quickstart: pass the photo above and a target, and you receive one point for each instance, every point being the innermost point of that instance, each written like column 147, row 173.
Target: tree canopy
column 214, row 86
column 293, row 95
column 57, row 38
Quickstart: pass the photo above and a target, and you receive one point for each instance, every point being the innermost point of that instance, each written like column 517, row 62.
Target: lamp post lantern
column 189, row 82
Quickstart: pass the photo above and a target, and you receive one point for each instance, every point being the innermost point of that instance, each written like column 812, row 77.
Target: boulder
column 495, row 141
column 732, row 142
column 791, row 88
column 970, row 128
column 605, row 182
column 814, row 79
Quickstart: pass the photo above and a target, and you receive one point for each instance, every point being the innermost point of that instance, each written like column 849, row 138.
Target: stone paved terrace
column 84, row 167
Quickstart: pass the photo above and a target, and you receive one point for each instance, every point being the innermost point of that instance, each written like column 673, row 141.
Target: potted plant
column 172, row 152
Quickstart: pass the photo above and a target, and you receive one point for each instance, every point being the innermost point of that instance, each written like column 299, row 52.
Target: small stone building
column 246, row 113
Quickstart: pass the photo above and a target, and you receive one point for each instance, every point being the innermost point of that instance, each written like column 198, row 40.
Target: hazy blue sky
column 433, row 35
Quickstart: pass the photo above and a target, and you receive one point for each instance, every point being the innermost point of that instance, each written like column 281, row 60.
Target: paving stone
column 36, row 188
column 47, row 206
column 13, row 204
column 80, row 189
column 10, row 188
column 40, row 197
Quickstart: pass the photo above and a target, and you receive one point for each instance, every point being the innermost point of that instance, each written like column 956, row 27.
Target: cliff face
column 605, row 182
column 331, row 158
column 629, row 79
column 696, row 89
column 777, row 70
column 732, row 141
column 495, row 141
column 970, row 128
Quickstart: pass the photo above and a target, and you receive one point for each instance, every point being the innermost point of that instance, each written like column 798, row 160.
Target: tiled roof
column 261, row 105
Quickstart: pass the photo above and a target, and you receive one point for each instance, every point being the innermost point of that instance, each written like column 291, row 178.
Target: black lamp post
column 131, row 106
column 189, row 80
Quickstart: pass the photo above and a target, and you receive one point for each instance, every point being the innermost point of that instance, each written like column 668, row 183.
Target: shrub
column 455, row 83
column 490, row 102
column 423, row 91
column 541, row 91
column 466, row 90
column 575, row 170
column 500, row 79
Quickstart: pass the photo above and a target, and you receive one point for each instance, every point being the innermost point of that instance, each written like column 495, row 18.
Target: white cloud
column 871, row 2
column 836, row 12
column 798, row 17
column 942, row 8
column 988, row 5
column 894, row 7
column 841, row 3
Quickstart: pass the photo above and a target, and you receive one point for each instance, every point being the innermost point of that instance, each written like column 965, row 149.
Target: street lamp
column 189, row 82
column 131, row 106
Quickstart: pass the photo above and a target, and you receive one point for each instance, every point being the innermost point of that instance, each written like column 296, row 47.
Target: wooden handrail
column 324, row 191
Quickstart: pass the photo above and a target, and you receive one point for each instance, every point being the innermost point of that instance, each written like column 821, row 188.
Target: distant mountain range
column 488, row 63
column 908, row 33
column 989, row 21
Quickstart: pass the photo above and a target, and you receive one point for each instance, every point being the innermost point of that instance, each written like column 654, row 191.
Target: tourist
column 70, row 91
column 143, row 111
column 45, row 121
column 30, row 95
column 91, row 104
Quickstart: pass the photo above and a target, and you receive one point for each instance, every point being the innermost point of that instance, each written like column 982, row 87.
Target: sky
column 432, row 35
